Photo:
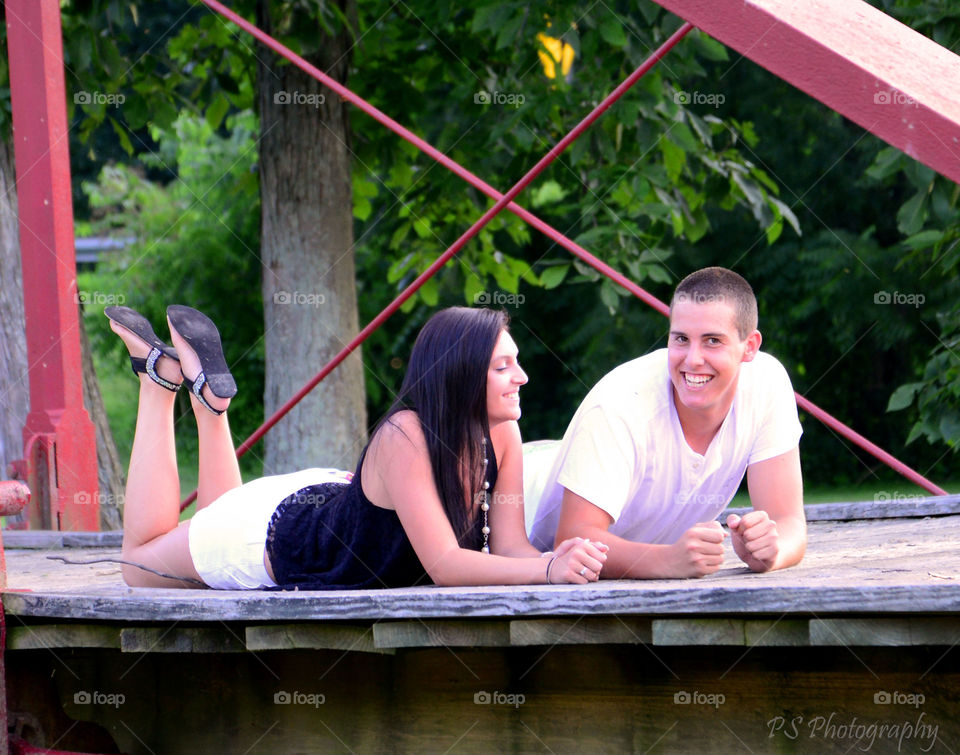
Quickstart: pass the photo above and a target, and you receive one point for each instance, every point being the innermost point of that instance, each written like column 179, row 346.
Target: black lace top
column 330, row 537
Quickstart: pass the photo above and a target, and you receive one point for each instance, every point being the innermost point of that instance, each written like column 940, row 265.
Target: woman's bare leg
column 219, row 470
column 151, row 511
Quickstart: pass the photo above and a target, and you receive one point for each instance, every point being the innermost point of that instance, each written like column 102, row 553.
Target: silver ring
column 583, row 571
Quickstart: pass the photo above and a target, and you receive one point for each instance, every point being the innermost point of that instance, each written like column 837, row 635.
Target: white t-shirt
column 624, row 451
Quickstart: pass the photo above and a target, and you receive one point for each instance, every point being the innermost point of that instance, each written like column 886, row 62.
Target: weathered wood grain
column 883, row 567
column 583, row 630
column 928, row 630
column 351, row 637
column 404, row 634
column 50, row 636
column 174, row 639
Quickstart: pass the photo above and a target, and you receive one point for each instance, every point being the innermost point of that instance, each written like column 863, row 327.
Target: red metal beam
column 884, row 76
column 59, row 437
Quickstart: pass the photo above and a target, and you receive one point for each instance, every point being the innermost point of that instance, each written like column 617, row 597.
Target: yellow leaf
column 554, row 51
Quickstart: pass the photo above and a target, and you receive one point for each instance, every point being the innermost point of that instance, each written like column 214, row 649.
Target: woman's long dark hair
column 446, row 385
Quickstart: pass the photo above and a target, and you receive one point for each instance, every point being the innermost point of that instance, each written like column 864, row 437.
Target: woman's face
column 504, row 378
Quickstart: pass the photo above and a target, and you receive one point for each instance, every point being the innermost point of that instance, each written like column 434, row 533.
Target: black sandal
column 140, row 327
column 199, row 331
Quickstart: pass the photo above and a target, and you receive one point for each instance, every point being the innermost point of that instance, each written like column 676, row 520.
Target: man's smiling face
column 704, row 354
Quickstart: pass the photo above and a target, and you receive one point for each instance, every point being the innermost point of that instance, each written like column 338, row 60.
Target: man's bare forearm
column 626, row 559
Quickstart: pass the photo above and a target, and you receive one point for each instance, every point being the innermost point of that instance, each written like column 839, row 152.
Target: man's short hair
column 717, row 284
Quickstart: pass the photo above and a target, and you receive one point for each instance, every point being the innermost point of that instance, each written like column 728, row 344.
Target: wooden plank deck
column 887, row 567
column 855, row 647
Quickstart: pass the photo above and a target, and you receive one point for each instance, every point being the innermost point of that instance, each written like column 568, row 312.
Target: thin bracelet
column 549, row 564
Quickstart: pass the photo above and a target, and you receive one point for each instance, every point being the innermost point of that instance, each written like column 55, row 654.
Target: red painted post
column 59, row 438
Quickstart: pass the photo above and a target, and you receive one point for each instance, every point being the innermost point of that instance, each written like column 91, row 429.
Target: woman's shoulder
column 506, row 433
column 400, row 432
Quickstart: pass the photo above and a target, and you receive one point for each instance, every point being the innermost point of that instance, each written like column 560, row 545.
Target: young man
column 659, row 446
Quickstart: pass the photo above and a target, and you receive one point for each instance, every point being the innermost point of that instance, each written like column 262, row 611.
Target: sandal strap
column 148, row 366
column 196, row 388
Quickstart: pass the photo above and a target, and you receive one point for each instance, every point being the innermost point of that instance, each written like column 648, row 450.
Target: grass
column 877, row 491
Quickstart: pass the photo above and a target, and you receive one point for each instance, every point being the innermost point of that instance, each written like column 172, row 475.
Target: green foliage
column 702, row 162
column 468, row 80
column 196, row 242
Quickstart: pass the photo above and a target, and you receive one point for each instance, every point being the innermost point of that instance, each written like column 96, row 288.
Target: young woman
column 437, row 494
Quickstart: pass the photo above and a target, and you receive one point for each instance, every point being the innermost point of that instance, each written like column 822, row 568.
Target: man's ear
column 752, row 346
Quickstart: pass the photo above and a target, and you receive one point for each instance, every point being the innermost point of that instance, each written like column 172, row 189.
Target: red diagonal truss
column 505, row 201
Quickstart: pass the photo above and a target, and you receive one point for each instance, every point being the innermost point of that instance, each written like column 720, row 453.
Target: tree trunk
column 309, row 287
column 14, row 385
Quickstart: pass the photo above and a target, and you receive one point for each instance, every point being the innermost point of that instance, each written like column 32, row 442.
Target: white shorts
column 228, row 538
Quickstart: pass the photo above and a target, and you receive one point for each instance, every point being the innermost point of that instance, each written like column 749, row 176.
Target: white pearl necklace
column 484, row 502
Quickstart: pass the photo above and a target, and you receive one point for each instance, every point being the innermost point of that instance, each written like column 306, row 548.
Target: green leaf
column 121, row 132
column 887, row 162
column 549, row 193
column 950, row 427
column 473, row 286
column 430, row 292
column 674, row 159
column 612, row 31
column 923, row 239
column 217, row 110
column 710, row 48
column 911, row 215
column 362, row 208
column 553, row 276
column 608, row 295
column 421, row 227
column 786, row 214
column 509, row 30
column 903, row 396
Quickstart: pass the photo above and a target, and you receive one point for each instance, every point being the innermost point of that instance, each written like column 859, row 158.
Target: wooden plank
column 181, row 640
column 882, row 567
column 698, row 632
column 47, row 636
column 777, row 632
column 879, row 73
column 58, row 539
column 883, row 507
column 585, row 630
column 355, row 638
column 402, row 634
column 928, row 630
